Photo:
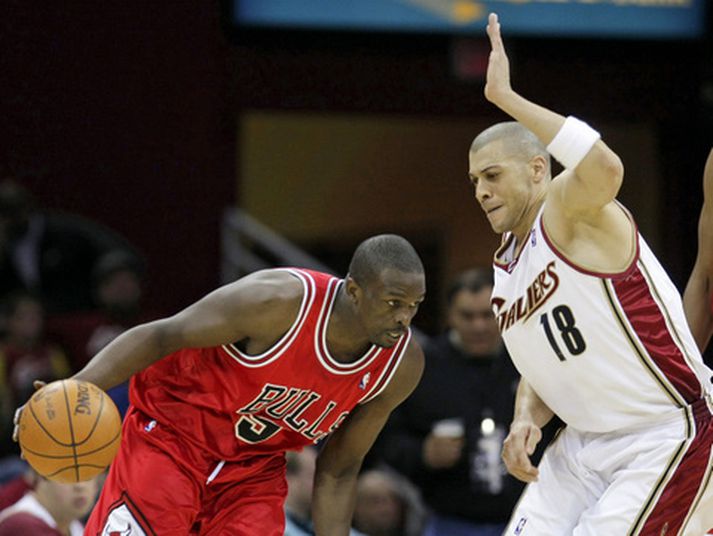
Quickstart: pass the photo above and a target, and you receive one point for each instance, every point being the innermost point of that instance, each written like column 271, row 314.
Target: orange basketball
column 69, row 431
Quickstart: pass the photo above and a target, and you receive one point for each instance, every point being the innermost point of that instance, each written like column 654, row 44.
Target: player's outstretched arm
column 698, row 296
column 340, row 460
column 259, row 307
column 531, row 414
column 597, row 176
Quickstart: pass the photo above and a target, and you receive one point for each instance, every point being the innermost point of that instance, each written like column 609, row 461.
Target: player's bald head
column 515, row 138
column 382, row 252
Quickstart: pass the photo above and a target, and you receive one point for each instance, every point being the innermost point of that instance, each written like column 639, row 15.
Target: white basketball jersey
column 603, row 351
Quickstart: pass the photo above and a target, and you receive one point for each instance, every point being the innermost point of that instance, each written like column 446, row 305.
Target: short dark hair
column 473, row 280
column 378, row 253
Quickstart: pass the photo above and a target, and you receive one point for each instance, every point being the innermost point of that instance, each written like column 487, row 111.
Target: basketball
column 69, row 431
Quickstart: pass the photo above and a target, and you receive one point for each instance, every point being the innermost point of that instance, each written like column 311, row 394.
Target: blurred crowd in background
column 139, row 115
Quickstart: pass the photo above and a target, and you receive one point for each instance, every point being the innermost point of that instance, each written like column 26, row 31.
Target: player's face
column 387, row 305
column 502, row 185
column 471, row 317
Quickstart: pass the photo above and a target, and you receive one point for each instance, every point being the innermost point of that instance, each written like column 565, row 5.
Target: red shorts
column 160, row 484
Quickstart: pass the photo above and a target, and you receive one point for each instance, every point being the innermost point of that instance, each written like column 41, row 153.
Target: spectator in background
column 298, row 503
column 50, row 509
column 117, row 280
column 26, row 355
column 447, row 436
column 16, row 487
column 117, row 289
column 387, row 505
column 49, row 253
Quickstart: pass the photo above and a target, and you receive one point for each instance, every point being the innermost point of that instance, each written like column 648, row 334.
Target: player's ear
column 353, row 290
column 538, row 168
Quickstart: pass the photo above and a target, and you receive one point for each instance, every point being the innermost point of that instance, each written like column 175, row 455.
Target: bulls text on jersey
column 277, row 407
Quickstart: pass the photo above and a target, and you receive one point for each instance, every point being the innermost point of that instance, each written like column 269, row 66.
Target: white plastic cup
column 452, row 428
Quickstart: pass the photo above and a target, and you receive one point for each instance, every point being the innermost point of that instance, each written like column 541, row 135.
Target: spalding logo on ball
column 69, row 431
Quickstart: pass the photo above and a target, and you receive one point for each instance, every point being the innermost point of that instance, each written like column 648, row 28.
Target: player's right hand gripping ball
column 69, row 431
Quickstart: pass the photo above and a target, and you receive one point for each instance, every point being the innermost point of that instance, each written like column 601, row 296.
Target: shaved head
column 381, row 252
column 516, row 138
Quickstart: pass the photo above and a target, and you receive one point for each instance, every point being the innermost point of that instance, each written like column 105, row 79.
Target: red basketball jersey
column 236, row 405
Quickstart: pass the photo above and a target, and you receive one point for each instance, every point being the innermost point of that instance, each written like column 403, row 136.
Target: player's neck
column 522, row 230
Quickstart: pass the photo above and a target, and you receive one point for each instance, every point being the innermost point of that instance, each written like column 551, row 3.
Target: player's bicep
column 251, row 307
column 594, row 183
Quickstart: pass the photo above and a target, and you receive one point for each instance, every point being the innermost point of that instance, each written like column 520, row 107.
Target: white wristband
column 572, row 143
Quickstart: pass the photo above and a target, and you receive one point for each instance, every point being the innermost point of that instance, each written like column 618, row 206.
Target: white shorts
column 656, row 480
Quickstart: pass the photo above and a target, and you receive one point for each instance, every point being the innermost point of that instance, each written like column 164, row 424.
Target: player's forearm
column 130, row 352
column 542, row 122
column 697, row 302
column 697, row 307
column 529, row 407
column 333, row 503
column 708, row 179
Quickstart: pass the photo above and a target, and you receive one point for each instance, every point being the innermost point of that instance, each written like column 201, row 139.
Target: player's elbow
column 614, row 172
column 162, row 336
column 347, row 470
column 609, row 173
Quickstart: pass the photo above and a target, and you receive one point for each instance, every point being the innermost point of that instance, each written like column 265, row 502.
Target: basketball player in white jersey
column 597, row 330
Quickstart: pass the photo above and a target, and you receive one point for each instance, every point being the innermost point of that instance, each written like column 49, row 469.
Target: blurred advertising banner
column 628, row 19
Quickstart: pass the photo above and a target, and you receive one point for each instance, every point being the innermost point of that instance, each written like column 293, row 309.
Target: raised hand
column 497, row 81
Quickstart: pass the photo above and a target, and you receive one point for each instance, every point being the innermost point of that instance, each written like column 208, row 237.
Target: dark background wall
column 122, row 112
column 128, row 113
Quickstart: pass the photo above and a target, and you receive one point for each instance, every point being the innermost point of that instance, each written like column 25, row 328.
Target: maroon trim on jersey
column 692, row 474
column 389, row 370
column 593, row 273
column 507, row 241
column 288, row 338
column 320, row 338
column 648, row 320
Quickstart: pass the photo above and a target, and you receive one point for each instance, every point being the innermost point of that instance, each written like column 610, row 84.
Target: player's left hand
column 497, row 80
column 518, row 446
column 37, row 384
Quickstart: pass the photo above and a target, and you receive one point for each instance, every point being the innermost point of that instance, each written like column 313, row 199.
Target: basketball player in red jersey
column 275, row 361
column 698, row 296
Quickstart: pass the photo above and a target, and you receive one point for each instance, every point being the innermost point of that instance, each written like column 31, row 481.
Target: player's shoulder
column 410, row 368
column 267, row 299
column 274, row 285
column 414, row 356
column 407, row 376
